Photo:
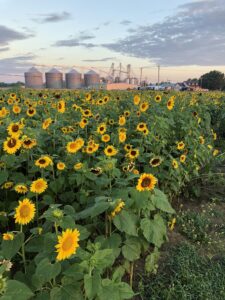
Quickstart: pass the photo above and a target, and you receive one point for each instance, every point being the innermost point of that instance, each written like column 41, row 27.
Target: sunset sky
column 187, row 38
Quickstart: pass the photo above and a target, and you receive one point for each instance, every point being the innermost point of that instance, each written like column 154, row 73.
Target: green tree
column 213, row 80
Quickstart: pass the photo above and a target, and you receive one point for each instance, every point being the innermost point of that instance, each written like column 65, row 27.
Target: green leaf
column 151, row 261
column 92, row 285
column 115, row 291
column 126, row 222
column 46, row 271
column 11, row 248
column 154, row 230
column 66, row 292
column 132, row 249
column 17, row 290
column 93, row 211
column 3, row 176
column 159, row 199
column 102, row 259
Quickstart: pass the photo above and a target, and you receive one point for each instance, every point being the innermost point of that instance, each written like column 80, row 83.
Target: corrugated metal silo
column 33, row 79
column 54, row 79
column 91, row 78
column 73, row 79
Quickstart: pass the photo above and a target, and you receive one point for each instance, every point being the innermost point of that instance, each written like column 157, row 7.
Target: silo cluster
column 33, row 79
column 54, row 79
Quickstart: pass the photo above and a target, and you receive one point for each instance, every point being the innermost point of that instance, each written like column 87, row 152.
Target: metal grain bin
column 54, row 79
column 33, row 79
column 73, row 79
column 91, row 79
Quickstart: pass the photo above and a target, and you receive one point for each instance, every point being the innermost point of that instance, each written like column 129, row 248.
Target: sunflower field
column 86, row 185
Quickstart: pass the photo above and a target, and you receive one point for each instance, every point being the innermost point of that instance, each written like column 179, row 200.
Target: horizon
column 186, row 38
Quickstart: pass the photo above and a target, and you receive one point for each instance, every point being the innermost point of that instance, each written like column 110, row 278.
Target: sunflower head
column 39, row 186
column 155, row 161
column 146, row 182
column 25, row 212
column 67, row 244
column 110, row 150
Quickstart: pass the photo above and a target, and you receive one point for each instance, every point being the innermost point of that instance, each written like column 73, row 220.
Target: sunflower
column 46, row 123
column 146, row 182
column 14, row 129
column 127, row 147
column 170, row 103
column 60, row 166
column 91, row 148
column 101, row 128
column 110, row 151
column 158, row 98
column 8, row 236
column 201, row 140
column 182, row 158
column 25, row 212
column 43, row 162
column 127, row 113
column 31, row 112
column 106, row 99
column 61, row 106
column 180, row 145
column 88, row 97
column 175, row 164
column 11, row 145
column 73, row 147
column 67, row 244
column 105, row 138
column 144, row 106
column 78, row 166
column 137, row 99
column 7, row 185
column 122, row 120
column 215, row 152
column 133, row 154
column 117, row 209
column 141, row 126
column 21, row 188
column 122, row 137
column 16, row 109
column 87, row 113
column 29, row 143
column 155, row 161
column 39, row 186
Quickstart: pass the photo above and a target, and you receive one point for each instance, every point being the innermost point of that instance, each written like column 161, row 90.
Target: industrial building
column 33, row 79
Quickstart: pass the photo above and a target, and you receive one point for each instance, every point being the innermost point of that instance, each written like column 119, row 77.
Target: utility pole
column 120, row 70
column 158, row 74
column 141, row 70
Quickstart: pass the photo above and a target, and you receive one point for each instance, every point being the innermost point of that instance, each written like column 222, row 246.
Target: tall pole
column 158, row 74
column 120, row 72
column 141, row 70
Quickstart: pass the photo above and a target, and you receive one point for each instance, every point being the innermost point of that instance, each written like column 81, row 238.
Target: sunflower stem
column 106, row 225
column 23, row 251
column 56, row 228
column 131, row 273
column 37, row 209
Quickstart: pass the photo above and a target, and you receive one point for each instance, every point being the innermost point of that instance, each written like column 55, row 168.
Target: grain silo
column 91, row 79
column 54, row 79
column 73, row 79
column 33, row 79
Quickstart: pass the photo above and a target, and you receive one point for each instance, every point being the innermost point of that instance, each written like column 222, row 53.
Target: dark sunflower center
column 27, row 142
column 42, row 161
column 109, row 150
column 15, row 128
column 12, row 143
column 146, row 182
column 156, row 161
column 133, row 152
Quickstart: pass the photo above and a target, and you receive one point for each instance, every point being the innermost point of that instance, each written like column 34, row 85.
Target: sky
column 185, row 37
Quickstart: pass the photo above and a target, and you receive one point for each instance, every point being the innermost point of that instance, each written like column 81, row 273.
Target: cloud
column 53, row 17
column 4, row 49
column 102, row 59
column 17, row 64
column 193, row 36
column 106, row 23
column 125, row 22
column 8, row 35
column 77, row 41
